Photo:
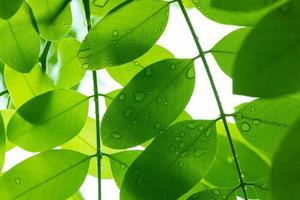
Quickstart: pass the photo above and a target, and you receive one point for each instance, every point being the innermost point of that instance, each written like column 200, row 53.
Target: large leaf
column 48, row 120
column 272, row 70
column 265, row 122
column 20, row 44
column 124, row 73
column 9, row 7
column 173, row 163
column 154, row 98
column 2, row 142
column 122, row 36
column 28, row 85
column 70, row 72
column 55, row 174
column 53, row 18
column 236, row 12
column 285, row 175
column 120, row 163
column 215, row 194
column 101, row 7
column 85, row 142
column 225, row 50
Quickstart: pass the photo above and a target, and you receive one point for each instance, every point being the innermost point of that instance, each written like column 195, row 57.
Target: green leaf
column 124, row 73
column 240, row 13
column 121, row 36
column 120, row 163
column 225, row 50
column 2, row 142
column 265, row 122
column 45, row 176
column 28, row 85
column 102, row 7
column 6, row 116
column 48, row 120
column 76, row 196
column 20, row 44
column 70, row 72
column 153, row 99
column 53, row 18
column 85, row 142
column 215, row 194
column 272, row 70
column 173, row 163
column 9, row 7
column 285, row 173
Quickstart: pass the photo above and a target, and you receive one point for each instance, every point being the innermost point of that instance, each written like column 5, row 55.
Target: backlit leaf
column 122, row 36
column 173, row 163
column 45, row 176
column 153, row 99
column 20, row 44
column 48, row 120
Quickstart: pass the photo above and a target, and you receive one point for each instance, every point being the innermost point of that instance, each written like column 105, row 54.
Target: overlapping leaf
column 9, row 7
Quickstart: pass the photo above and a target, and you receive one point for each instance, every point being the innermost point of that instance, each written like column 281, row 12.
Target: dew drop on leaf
column 245, row 126
column 216, row 191
column 127, row 112
column 115, row 33
column 17, row 181
column 85, row 66
column 198, row 153
column 100, row 3
column 180, row 164
column 182, row 145
column 177, row 138
column 139, row 96
column 116, row 135
column 157, row 125
column 173, row 66
column 121, row 97
column 190, row 74
column 148, row 71
column 114, row 42
column 256, row 121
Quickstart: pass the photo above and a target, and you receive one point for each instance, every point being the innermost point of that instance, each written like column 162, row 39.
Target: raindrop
column 245, row 127
column 155, row 30
column 116, row 135
column 256, row 121
column 159, row 100
column 201, row 128
column 192, row 125
column 182, row 134
column 239, row 116
column 139, row 96
column 114, row 42
column 67, row 25
column 130, row 42
column 121, row 97
column 180, row 164
column 173, row 66
column 182, row 145
column 123, row 166
column 216, row 191
column 208, row 132
column 190, row 74
column 100, row 3
column 177, row 138
column 108, row 58
column 85, row 65
column 252, row 109
column 135, row 122
column 128, row 112
column 136, row 63
column 183, row 154
column 198, row 153
column 166, row 103
column 17, row 181
column 157, row 125
column 148, row 71
column 115, row 33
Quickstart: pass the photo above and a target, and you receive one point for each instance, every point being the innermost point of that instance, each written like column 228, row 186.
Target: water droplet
column 182, row 134
column 216, row 191
column 148, row 71
column 190, row 74
column 85, row 53
column 198, row 153
column 256, row 121
column 128, row 112
column 67, row 25
column 116, row 135
column 135, row 122
column 114, row 42
column 252, row 109
column 158, row 125
column 180, row 164
column 173, row 66
column 136, row 63
column 130, row 41
column 182, row 145
column 166, row 103
column 123, row 166
column 115, row 33
column 121, row 97
column 139, row 96
column 17, row 181
column 108, row 58
column 139, row 180
column 201, row 128
column 85, row 65
column 150, row 93
column 239, row 116
column 100, row 3
column 245, row 127
column 208, row 132
column 177, row 138
column 159, row 100
column 192, row 125
column 183, row 154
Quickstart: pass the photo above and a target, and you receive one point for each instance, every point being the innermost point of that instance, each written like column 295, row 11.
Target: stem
column 86, row 5
column 212, row 83
column 3, row 92
column 43, row 57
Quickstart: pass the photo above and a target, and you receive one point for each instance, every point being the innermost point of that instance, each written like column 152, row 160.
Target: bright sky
column 178, row 40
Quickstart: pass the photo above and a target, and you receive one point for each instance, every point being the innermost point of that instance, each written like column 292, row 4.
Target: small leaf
column 28, row 85
column 231, row 12
column 9, row 7
column 215, row 194
column 48, row 120
column 120, row 163
column 124, row 73
column 121, row 36
column 272, row 70
column 85, row 142
column 285, row 173
column 153, row 99
column 173, row 163
column 225, row 50
column 20, row 44
column 265, row 127
column 2, row 142
column 45, row 176
column 53, row 18
column 70, row 72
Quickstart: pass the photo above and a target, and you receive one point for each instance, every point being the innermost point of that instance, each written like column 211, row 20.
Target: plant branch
column 212, row 83
column 43, row 57
column 86, row 5
column 3, row 92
